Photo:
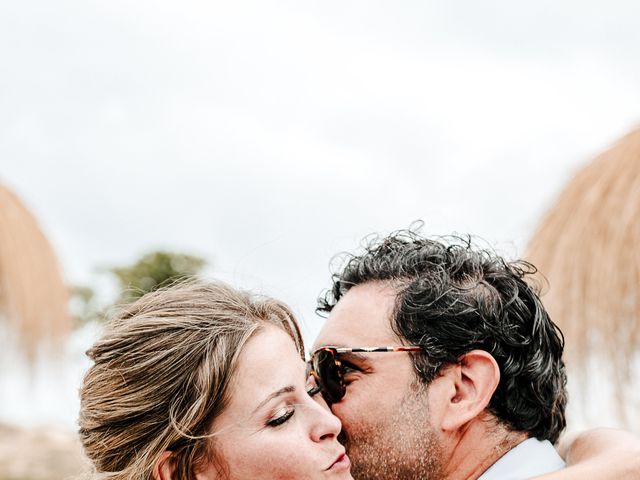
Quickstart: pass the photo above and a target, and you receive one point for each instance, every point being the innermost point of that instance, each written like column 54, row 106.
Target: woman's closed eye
column 312, row 386
column 314, row 391
column 281, row 416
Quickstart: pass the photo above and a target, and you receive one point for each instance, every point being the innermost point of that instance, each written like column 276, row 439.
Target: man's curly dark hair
column 454, row 297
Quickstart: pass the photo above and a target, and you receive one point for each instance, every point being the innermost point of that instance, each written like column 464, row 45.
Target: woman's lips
column 342, row 464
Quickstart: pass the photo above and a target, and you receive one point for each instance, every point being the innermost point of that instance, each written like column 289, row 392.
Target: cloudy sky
column 267, row 136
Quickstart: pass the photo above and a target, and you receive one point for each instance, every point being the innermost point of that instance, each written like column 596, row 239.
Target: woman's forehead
column 269, row 362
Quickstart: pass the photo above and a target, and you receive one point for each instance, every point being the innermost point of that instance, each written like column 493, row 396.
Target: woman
column 200, row 381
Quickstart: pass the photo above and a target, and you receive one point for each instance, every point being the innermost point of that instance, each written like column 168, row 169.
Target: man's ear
column 473, row 381
column 163, row 469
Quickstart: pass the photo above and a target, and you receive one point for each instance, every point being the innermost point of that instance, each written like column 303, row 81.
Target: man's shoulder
column 529, row 458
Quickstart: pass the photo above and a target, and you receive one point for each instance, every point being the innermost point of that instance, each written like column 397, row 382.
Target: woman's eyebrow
column 277, row 393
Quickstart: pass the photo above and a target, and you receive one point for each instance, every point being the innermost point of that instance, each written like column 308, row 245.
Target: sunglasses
column 329, row 372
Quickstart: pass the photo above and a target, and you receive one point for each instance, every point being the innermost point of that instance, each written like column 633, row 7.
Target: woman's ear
column 163, row 469
column 473, row 379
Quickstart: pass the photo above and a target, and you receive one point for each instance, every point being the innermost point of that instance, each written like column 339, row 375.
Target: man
column 477, row 389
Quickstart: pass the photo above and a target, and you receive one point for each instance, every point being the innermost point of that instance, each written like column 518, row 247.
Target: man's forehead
column 361, row 318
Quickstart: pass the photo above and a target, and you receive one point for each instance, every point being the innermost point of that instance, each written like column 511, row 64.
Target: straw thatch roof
column 588, row 247
column 33, row 296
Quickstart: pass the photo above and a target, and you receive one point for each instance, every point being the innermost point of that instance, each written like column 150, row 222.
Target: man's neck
column 478, row 447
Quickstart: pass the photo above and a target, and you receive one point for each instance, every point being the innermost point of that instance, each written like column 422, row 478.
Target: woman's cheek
column 286, row 461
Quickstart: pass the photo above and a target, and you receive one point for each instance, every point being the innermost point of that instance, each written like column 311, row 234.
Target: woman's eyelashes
column 281, row 416
column 314, row 391
column 312, row 386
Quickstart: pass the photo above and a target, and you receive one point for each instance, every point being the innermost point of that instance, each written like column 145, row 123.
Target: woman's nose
column 325, row 424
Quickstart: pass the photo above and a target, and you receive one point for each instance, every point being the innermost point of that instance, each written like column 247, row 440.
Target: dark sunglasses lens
column 325, row 366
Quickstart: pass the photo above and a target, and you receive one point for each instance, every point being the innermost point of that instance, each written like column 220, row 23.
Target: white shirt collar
column 528, row 459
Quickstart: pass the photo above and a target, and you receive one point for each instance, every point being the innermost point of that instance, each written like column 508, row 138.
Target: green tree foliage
column 155, row 270
column 152, row 271
column 83, row 305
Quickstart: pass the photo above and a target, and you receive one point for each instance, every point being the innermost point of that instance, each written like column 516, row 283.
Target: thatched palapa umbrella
column 33, row 296
column 588, row 247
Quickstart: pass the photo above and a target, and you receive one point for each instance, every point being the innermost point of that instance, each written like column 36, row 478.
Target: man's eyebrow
column 277, row 393
column 352, row 356
column 345, row 355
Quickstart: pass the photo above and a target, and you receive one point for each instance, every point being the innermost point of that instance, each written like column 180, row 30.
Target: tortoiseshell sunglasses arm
column 410, row 348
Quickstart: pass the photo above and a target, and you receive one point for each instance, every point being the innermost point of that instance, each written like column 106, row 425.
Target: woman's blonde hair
column 161, row 375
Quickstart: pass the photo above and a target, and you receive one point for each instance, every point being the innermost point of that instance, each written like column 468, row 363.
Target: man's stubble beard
column 402, row 446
